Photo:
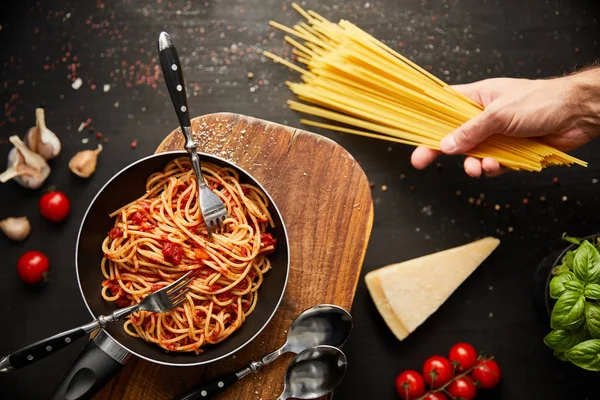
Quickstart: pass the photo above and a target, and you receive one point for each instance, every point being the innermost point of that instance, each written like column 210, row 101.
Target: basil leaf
column 592, row 319
column 557, row 284
column 592, row 291
column 569, row 311
column 586, row 264
column 570, row 239
column 574, row 285
column 568, row 259
column 585, row 355
column 560, row 340
column 560, row 269
column 560, row 355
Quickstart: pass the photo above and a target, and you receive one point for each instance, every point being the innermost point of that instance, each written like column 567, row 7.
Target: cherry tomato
column 487, row 373
column 463, row 356
column 32, row 267
column 436, row 396
column 410, row 385
column 462, row 388
column 55, row 206
column 437, row 371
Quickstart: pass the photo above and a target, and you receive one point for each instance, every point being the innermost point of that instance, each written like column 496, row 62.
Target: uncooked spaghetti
column 368, row 89
column 160, row 236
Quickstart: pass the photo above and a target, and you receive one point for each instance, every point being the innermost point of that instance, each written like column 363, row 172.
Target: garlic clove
column 26, row 167
column 16, row 228
column 83, row 164
column 41, row 139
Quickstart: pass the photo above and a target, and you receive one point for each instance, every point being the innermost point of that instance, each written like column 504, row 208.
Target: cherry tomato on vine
column 55, row 206
column 487, row 373
column 32, row 267
column 462, row 388
column 463, row 356
column 436, row 396
column 437, row 371
column 410, row 385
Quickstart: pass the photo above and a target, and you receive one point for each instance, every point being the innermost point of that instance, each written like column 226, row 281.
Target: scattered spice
column 134, row 144
column 497, row 207
column 412, row 188
column 471, row 200
column 77, row 84
column 458, row 192
column 525, row 200
column 510, row 229
column 555, row 180
column 564, row 198
column 402, row 177
column 542, row 198
column 384, row 188
column 250, row 75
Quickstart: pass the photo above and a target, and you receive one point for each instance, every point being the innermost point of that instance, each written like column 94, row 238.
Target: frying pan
column 104, row 356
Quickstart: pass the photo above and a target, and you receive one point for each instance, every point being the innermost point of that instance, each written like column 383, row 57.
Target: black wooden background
column 44, row 45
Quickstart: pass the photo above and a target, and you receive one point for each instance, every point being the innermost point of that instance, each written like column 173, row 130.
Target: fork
column 163, row 300
column 212, row 207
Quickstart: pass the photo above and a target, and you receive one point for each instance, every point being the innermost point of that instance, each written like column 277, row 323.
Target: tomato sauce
column 115, row 232
column 172, row 252
column 267, row 240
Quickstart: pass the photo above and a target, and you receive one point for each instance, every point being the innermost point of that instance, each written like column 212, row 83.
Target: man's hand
column 562, row 112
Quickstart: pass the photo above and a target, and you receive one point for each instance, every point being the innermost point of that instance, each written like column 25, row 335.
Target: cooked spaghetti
column 160, row 236
column 357, row 81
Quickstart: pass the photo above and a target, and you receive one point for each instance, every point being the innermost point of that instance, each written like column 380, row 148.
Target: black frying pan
column 104, row 356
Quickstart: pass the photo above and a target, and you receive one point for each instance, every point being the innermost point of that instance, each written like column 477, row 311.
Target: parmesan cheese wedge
column 406, row 294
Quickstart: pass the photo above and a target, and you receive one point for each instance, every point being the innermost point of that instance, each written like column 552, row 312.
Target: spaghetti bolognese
column 161, row 235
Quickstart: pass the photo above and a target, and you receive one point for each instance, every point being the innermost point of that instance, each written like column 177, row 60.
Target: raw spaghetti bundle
column 356, row 81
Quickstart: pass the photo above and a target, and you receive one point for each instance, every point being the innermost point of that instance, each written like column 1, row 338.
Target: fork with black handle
column 213, row 210
column 163, row 300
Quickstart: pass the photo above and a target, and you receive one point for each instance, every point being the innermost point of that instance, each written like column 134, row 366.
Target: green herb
column 569, row 311
column 570, row 239
column 574, row 285
column 591, row 291
column 575, row 318
column 560, row 355
column 560, row 269
column 560, row 340
column 586, row 264
column 585, row 355
column 592, row 319
column 557, row 284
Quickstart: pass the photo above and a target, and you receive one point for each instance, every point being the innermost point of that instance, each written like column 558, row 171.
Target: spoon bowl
column 324, row 324
column 314, row 372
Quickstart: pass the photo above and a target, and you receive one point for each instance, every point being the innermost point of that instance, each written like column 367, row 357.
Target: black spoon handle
column 206, row 390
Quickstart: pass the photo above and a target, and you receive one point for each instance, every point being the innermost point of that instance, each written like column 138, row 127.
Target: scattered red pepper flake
column 134, row 144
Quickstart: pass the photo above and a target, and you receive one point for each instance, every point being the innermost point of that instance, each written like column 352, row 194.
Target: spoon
column 314, row 373
column 323, row 324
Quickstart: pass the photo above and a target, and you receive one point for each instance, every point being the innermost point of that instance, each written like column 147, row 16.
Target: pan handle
column 98, row 363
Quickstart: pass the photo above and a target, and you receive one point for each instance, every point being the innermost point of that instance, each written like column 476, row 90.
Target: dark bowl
column 126, row 186
column 543, row 276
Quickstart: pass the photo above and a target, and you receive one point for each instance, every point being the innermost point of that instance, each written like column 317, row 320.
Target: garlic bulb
column 83, row 164
column 41, row 139
column 27, row 168
column 16, row 228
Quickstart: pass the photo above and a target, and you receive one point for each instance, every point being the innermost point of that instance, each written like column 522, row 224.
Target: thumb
column 471, row 133
column 471, row 90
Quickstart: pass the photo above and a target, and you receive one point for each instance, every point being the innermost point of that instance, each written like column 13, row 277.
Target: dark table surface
column 44, row 45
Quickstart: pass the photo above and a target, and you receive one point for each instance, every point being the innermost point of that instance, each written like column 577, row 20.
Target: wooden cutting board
column 325, row 199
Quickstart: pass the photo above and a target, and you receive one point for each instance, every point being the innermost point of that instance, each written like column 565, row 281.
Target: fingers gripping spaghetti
column 161, row 235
